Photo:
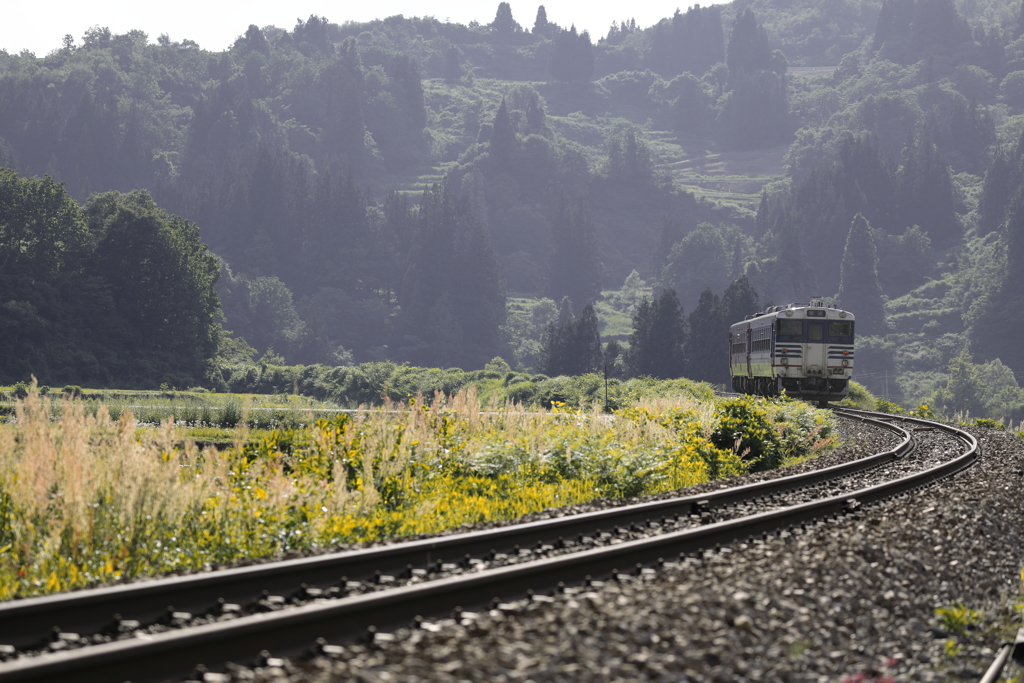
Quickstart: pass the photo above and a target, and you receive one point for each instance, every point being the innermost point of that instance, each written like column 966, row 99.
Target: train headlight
column 842, row 314
column 785, row 360
column 789, row 314
column 846, row 363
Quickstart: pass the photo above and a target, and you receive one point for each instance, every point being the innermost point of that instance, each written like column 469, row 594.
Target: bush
column 923, row 411
column 884, row 406
column 988, row 423
column 744, row 427
column 859, row 397
column 20, row 390
column 72, row 391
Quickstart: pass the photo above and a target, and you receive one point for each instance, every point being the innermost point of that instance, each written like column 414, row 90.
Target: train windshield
column 841, row 330
column 791, row 328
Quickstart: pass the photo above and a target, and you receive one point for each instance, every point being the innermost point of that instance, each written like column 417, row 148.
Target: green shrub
column 859, row 397
column 884, row 406
column 988, row 423
column 20, row 390
column 72, row 391
column 744, row 426
column 522, row 392
column 923, row 411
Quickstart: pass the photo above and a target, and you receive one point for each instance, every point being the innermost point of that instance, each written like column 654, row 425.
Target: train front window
column 816, row 333
column 840, row 328
column 791, row 328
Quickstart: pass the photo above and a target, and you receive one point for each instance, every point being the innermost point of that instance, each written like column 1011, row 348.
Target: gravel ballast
column 853, row 599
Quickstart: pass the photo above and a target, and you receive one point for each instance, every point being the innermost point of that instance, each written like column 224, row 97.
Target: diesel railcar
column 804, row 349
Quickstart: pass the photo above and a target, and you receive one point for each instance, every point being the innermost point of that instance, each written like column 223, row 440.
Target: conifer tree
column 541, row 26
column 996, row 193
column 452, row 301
column 926, row 193
column 738, row 301
column 748, row 49
column 657, row 344
column 859, row 291
column 504, row 24
column 573, row 269
column 503, row 138
column 571, row 346
column 995, row 326
column 706, row 358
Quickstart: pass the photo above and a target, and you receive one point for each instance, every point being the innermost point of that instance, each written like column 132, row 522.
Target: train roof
column 800, row 310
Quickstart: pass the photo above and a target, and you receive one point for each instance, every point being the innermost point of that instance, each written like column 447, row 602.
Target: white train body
column 804, row 349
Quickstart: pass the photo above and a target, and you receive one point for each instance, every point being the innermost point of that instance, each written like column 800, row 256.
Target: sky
column 215, row 24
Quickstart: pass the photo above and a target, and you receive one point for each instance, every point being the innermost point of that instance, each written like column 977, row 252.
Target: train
column 804, row 349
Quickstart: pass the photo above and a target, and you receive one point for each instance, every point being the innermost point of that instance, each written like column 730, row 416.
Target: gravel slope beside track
column 853, row 599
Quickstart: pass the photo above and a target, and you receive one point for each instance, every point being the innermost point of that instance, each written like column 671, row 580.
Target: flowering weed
column 88, row 500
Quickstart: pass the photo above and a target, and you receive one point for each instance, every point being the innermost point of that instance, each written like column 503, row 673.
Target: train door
column 749, row 371
column 814, row 357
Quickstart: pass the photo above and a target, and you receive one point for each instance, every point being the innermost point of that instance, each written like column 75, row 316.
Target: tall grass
column 86, row 499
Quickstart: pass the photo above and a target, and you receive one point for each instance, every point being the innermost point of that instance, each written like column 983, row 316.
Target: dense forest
column 418, row 191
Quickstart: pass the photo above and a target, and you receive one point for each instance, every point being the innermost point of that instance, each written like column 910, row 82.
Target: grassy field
column 87, row 500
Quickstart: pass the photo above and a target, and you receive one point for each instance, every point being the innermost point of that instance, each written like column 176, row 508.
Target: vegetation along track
column 387, row 586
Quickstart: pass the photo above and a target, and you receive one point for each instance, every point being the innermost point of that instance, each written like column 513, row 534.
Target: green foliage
column 657, row 344
column 128, row 287
column 744, row 426
column 924, row 411
column 700, row 259
column 274, row 144
column 573, row 345
column 957, row 617
column 885, row 406
column 858, row 288
column 859, row 397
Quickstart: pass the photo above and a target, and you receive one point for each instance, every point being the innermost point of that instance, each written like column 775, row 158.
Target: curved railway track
column 347, row 595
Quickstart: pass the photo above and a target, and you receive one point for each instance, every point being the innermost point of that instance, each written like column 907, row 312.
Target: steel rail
column 26, row 623
column 293, row 631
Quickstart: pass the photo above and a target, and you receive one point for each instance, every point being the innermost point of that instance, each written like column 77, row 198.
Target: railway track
column 232, row 615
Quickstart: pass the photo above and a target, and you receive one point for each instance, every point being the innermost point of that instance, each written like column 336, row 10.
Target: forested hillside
column 414, row 190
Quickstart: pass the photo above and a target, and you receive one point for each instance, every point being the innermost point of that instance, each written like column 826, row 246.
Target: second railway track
column 570, row 549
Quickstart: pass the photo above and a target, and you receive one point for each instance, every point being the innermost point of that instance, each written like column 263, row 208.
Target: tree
column 572, row 346
column 748, row 49
column 572, row 57
column 964, row 389
column 573, row 269
column 996, row 193
column 926, row 195
column 503, row 139
column 161, row 279
column 994, row 318
column 452, row 64
column 629, row 160
column 705, row 344
column 657, row 344
column 738, row 301
column 504, row 24
column 453, row 303
column 541, row 26
column 699, row 260
column 859, row 291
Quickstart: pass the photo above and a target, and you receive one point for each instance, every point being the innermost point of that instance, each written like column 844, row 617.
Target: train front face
column 813, row 355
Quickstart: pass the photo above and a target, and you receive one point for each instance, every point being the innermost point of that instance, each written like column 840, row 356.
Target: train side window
column 791, row 328
column 816, row 333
